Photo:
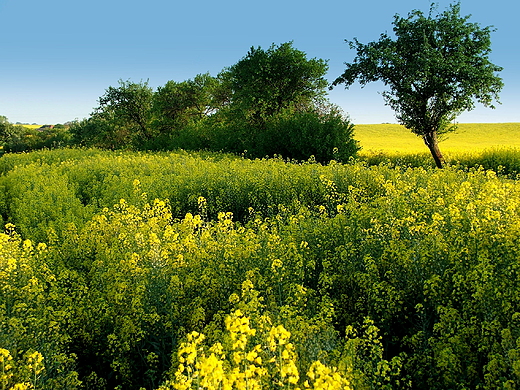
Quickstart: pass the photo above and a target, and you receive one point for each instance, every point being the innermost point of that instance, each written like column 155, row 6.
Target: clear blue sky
column 58, row 56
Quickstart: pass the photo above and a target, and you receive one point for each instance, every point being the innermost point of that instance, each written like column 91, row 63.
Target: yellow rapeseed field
column 180, row 270
column 469, row 137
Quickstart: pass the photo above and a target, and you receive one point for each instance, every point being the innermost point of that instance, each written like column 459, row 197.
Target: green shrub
column 23, row 139
column 300, row 135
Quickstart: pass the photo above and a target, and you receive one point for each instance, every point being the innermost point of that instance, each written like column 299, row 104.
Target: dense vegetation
column 271, row 102
column 291, row 275
column 19, row 138
column 133, row 269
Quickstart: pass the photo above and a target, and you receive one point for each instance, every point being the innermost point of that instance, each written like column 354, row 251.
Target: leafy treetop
column 435, row 69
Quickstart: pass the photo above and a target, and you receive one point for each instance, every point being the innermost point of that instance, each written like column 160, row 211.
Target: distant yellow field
column 468, row 137
column 32, row 126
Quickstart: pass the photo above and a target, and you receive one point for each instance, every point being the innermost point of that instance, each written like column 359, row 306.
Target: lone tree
column 436, row 68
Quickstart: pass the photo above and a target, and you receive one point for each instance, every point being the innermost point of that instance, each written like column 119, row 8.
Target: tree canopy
column 436, row 67
column 127, row 109
column 265, row 82
column 176, row 104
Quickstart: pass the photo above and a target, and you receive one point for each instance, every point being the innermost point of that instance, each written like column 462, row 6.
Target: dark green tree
column 323, row 132
column 271, row 104
column 100, row 131
column 17, row 138
column 436, row 67
column 5, row 129
column 178, row 104
column 265, row 82
column 126, row 112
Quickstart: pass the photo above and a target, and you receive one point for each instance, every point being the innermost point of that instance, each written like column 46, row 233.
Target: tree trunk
column 430, row 139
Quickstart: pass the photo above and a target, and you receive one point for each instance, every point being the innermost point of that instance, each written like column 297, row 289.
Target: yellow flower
column 27, row 245
column 325, row 378
column 34, row 361
column 21, row 386
column 278, row 336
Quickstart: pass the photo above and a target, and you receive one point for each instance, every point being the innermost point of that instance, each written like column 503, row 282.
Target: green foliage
column 277, row 107
column 363, row 357
column 179, row 104
column 392, row 277
column 17, row 138
column 272, row 102
column 322, row 135
column 297, row 135
column 265, row 82
column 41, row 202
column 5, row 129
column 99, row 132
column 25, row 140
column 436, row 68
column 122, row 119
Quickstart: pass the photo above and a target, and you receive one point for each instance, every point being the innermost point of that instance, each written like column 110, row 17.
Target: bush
column 100, row 132
column 22, row 139
column 292, row 134
column 300, row 135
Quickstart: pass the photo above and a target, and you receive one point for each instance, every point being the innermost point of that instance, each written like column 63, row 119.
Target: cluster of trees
column 271, row 102
column 18, row 138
